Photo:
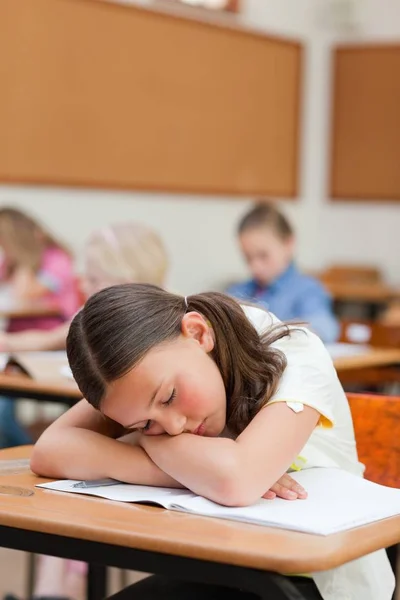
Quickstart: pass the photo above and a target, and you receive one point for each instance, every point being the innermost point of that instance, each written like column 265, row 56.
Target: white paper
column 336, row 501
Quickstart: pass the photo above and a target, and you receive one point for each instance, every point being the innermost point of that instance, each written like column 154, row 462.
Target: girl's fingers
column 286, row 487
column 290, row 483
column 270, row 495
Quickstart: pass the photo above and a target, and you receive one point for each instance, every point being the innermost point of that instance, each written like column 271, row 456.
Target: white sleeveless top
column 310, row 379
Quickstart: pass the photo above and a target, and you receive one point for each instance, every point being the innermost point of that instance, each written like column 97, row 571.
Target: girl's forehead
column 135, row 390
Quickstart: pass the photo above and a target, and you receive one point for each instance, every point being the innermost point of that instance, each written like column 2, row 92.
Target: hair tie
column 186, row 302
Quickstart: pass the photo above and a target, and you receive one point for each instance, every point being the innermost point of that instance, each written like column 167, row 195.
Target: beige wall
column 199, row 231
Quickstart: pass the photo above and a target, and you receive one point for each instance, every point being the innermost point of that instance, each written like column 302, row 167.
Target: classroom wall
column 199, row 231
column 367, row 232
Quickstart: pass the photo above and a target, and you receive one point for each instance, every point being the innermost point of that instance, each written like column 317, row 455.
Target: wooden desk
column 372, row 295
column 65, row 391
column 359, row 292
column 373, row 357
column 47, row 381
column 374, row 366
column 155, row 540
column 51, row 390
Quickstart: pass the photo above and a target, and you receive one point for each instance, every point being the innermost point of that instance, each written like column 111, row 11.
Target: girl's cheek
column 190, row 405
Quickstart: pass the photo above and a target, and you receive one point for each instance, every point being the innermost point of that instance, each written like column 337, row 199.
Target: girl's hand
column 286, row 487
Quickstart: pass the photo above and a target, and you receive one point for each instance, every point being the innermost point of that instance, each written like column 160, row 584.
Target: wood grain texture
column 366, row 123
column 108, row 95
column 179, row 534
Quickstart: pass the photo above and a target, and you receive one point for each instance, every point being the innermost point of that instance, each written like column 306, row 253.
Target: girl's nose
column 174, row 424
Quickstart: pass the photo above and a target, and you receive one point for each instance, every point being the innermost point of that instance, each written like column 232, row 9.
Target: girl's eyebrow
column 153, row 397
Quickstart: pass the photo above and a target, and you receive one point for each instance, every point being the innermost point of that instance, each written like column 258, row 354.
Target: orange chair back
column 377, row 429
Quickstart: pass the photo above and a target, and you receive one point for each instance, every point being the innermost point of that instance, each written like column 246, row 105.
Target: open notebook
column 336, row 501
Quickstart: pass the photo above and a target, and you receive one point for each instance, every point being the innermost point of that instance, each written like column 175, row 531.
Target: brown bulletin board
column 102, row 94
column 365, row 157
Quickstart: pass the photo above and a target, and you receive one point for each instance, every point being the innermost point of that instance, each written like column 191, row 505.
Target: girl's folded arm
column 236, row 473
column 81, row 444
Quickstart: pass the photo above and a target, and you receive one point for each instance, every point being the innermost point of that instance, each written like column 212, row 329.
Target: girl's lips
column 200, row 429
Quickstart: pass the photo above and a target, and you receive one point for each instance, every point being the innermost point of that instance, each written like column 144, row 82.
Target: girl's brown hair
column 24, row 240
column 119, row 325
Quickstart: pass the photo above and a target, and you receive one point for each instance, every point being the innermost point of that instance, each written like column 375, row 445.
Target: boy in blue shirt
column 267, row 242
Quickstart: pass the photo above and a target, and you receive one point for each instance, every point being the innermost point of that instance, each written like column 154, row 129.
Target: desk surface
column 46, row 381
column 32, row 388
column 373, row 357
column 148, row 528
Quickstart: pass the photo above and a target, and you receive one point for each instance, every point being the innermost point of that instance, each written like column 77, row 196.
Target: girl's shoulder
column 260, row 319
column 300, row 342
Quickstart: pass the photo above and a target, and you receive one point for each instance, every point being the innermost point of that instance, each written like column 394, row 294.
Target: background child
column 199, row 378
column 120, row 253
column 36, row 266
column 267, row 241
column 123, row 252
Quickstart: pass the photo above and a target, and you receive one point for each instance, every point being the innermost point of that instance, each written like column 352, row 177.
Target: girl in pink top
column 36, row 267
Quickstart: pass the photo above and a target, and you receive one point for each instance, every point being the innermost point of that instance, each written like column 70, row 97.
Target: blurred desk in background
column 14, row 308
column 43, row 376
column 377, row 292
column 28, row 310
column 358, row 363
column 359, row 299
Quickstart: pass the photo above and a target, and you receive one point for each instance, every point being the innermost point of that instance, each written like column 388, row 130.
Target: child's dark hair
column 266, row 214
column 119, row 325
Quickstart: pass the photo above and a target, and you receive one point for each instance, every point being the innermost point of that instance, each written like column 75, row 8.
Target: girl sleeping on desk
column 207, row 386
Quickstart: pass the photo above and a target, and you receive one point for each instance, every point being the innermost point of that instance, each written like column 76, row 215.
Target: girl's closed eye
column 171, row 398
column 166, row 403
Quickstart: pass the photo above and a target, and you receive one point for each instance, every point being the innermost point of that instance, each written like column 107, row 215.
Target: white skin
column 175, row 397
column 267, row 254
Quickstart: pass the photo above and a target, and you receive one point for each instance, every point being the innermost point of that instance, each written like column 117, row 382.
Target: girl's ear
column 194, row 326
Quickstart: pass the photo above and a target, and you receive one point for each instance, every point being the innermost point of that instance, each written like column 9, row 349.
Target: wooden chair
column 373, row 333
column 379, row 335
column 376, row 421
column 377, row 429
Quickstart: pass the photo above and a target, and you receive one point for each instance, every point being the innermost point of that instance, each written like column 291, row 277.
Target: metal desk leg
column 96, row 582
column 30, row 580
